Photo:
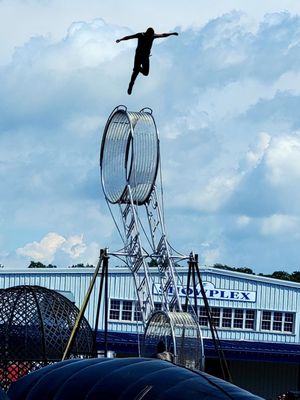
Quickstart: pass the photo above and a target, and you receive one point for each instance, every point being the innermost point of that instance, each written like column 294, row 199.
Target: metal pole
column 214, row 332
column 99, row 302
column 82, row 310
column 105, row 272
column 194, row 285
column 188, row 285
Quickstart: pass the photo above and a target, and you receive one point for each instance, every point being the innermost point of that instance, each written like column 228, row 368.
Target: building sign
column 212, row 293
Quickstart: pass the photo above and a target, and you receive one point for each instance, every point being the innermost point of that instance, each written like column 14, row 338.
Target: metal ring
column 129, row 155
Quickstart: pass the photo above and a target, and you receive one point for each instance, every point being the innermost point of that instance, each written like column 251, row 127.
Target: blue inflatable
column 3, row 395
column 122, row 379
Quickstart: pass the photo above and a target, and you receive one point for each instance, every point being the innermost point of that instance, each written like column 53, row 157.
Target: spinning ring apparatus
column 129, row 164
column 129, row 156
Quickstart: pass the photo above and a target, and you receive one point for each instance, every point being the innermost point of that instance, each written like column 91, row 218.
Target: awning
column 128, row 343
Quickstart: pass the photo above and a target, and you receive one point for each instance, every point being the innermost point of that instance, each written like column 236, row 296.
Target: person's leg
column 136, row 71
column 145, row 66
column 132, row 80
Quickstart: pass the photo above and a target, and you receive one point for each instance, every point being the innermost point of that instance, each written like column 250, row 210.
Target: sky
column 225, row 96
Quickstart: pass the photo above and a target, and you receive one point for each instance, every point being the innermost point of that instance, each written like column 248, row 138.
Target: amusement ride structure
column 132, row 185
column 130, row 166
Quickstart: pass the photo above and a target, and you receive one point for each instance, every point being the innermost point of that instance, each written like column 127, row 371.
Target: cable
column 112, row 215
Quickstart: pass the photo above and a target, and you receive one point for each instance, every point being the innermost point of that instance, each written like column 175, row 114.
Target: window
column 288, row 322
column 250, row 318
column 238, row 319
column 277, row 321
column 127, row 310
column 215, row 314
column 228, row 318
column 137, row 312
column 203, row 320
column 114, row 312
column 266, row 321
column 124, row 310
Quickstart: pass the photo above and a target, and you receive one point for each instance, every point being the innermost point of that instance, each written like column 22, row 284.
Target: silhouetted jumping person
column 142, row 53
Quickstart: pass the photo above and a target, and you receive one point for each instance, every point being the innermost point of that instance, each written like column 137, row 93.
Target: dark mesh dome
column 35, row 325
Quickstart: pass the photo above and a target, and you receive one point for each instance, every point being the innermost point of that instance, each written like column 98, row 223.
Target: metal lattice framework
column 35, row 324
column 180, row 332
column 129, row 161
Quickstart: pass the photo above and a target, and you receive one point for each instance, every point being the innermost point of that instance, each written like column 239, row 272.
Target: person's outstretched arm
column 162, row 35
column 135, row 36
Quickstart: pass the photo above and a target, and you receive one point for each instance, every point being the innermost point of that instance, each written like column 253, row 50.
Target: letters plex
column 222, row 294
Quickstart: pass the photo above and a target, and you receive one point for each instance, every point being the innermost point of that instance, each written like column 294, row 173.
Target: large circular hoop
column 129, row 155
column 181, row 334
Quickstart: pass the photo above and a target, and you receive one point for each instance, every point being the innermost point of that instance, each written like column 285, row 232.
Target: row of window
column 277, row 321
column 246, row 319
column 230, row 318
column 127, row 310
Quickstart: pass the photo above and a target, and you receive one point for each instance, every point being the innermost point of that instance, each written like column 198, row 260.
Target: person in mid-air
column 142, row 53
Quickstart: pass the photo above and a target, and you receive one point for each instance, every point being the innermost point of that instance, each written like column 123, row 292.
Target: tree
column 295, row 276
column 38, row 264
column 244, row 270
column 81, row 265
column 281, row 275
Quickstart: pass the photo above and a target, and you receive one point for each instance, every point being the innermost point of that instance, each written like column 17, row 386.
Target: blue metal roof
column 127, row 343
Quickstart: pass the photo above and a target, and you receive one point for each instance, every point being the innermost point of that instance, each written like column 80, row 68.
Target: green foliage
column 34, row 264
column 295, row 276
column 282, row 275
column 244, row 270
column 81, row 265
column 285, row 276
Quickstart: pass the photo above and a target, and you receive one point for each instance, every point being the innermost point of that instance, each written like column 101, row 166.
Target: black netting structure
column 123, row 379
column 129, row 156
column 35, row 325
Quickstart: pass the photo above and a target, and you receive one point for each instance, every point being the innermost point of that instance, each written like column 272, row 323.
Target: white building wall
column 270, row 294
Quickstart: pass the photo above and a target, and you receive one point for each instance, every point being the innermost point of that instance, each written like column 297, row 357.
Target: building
column 258, row 319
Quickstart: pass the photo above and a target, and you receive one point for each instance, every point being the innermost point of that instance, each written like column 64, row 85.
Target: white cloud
column 277, row 225
column 44, row 250
column 211, row 256
column 243, row 221
column 53, row 247
column 74, row 246
column 86, row 45
column 256, row 153
column 282, row 160
column 225, row 98
column 212, row 196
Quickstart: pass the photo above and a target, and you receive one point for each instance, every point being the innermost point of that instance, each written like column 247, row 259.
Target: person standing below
column 142, row 53
column 162, row 353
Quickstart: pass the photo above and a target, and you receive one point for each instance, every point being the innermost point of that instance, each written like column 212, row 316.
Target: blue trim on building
column 127, row 343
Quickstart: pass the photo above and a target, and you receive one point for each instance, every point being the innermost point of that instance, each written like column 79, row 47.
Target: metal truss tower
column 130, row 162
